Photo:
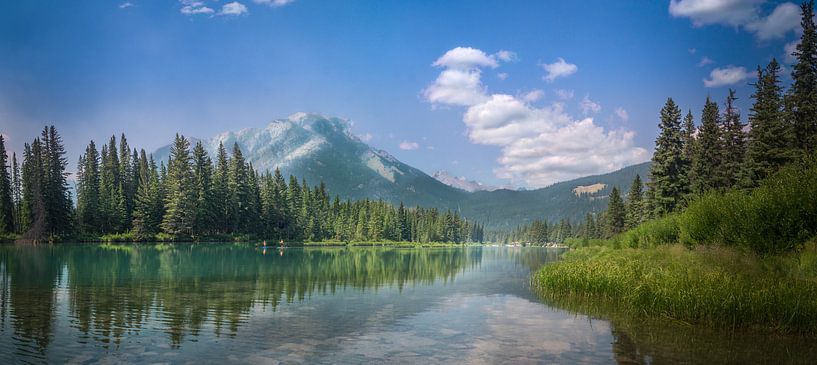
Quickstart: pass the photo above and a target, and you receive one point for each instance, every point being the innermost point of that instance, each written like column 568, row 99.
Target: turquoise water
column 235, row 303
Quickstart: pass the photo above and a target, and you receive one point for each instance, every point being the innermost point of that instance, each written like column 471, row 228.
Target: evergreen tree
column 770, row 136
column 708, row 158
column 688, row 132
column 181, row 195
column 635, row 206
column 239, row 190
column 804, row 87
column 6, row 201
column 221, row 191
column 202, row 176
column 615, row 213
column 734, row 143
column 667, row 169
column 148, row 206
column 88, row 190
column 56, row 196
column 16, row 188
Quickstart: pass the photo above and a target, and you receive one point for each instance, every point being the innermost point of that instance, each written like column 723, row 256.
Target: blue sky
column 459, row 85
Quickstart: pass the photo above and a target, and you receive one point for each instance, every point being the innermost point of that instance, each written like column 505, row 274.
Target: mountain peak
column 460, row 182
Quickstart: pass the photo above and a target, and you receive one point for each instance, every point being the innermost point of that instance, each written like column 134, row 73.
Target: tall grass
column 712, row 285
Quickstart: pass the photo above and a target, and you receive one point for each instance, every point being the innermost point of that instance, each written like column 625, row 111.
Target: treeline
column 123, row 194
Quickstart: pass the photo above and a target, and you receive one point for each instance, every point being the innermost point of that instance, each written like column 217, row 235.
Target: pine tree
column 615, row 213
column 88, row 190
column 16, row 188
column 635, row 206
column 181, row 194
column 770, row 139
column 202, row 176
column 688, row 132
column 148, row 206
column 804, row 88
column 6, row 202
column 239, row 191
column 708, row 159
column 55, row 188
column 221, row 191
column 734, row 143
column 667, row 169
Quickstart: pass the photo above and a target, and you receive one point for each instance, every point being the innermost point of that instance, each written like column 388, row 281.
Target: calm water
column 238, row 304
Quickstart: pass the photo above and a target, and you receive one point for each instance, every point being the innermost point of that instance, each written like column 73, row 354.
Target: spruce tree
column 707, row 160
column 203, row 175
column 804, row 87
column 635, row 206
column 181, row 194
column 615, row 214
column 770, row 140
column 238, row 182
column 88, row 190
column 6, row 202
column 16, row 188
column 734, row 143
column 221, row 191
column 667, row 169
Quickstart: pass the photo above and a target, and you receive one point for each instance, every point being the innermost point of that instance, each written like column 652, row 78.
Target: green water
column 235, row 303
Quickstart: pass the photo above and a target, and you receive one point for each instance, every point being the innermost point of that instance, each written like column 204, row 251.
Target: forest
column 123, row 195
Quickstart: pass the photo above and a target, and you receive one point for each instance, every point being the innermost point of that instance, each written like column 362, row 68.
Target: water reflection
column 114, row 291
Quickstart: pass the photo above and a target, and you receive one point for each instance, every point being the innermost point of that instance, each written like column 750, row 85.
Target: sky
column 525, row 93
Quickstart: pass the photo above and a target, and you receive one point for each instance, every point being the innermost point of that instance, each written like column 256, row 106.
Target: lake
column 235, row 303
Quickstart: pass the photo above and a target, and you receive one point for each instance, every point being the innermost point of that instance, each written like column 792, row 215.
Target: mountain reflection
column 116, row 291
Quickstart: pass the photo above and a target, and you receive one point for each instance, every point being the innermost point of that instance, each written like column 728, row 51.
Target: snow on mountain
column 461, row 182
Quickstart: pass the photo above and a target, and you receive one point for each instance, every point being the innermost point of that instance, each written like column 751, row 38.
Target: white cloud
column 408, row 145
column 744, row 14
column 726, row 76
column 539, row 146
column 366, row 137
column 564, row 94
column 506, row 56
column 705, row 61
column 502, row 76
column 459, row 83
column 125, row 5
column 193, row 7
column 465, row 58
column 234, row 8
column 703, row 12
column 622, row 114
column 789, row 50
column 560, row 68
column 274, row 3
column 588, row 106
column 456, row 87
column 533, row 95
column 784, row 18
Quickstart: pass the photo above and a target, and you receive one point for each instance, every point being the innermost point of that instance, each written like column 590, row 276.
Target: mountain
column 463, row 183
column 319, row 148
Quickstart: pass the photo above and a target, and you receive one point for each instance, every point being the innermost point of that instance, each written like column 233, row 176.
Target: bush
column 778, row 216
column 662, row 231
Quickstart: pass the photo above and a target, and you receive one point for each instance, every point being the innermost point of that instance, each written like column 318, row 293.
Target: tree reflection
column 114, row 291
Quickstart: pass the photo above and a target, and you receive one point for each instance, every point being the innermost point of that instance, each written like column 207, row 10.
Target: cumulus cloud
column 459, row 83
column 502, row 76
column 726, row 76
column 705, row 61
column 539, row 145
column 125, row 5
column 408, row 145
column 533, row 95
column 274, row 3
column 588, row 106
column 746, row 14
column 560, row 68
column 234, row 8
column 784, row 18
column 193, row 7
column 622, row 114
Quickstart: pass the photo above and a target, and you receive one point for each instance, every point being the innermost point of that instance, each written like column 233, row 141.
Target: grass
column 711, row 285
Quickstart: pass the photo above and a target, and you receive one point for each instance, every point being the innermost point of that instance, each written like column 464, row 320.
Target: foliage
column 708, row 285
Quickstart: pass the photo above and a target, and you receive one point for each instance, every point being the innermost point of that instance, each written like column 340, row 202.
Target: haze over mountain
column 323, row 149
column 460, row 182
